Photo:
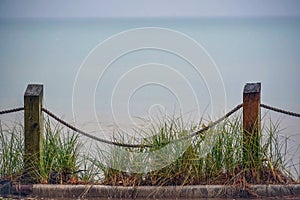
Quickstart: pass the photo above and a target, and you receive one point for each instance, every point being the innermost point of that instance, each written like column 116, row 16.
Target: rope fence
column 34, row 129
column 138, row 145
column 210, row 125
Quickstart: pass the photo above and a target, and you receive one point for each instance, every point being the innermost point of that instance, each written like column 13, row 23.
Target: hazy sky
column 148, row 8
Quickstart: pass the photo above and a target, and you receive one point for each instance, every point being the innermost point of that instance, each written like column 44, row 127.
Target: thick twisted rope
column 11, row 110
column 139, row 145
column 280, row 110
column 89, row 135
column 210, row 125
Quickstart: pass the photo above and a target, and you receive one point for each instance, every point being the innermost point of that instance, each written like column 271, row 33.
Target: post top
column 252, row 88
column 34, row 90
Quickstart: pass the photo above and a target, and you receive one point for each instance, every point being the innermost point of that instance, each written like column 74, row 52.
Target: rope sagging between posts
column 140, row 145
column 210, row 125
column 89, row 135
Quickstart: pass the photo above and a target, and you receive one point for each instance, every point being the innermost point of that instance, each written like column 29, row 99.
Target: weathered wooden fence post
column 33, row 122
column 251, row 122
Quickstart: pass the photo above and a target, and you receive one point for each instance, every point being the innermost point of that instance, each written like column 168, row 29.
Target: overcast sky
column 147, row 8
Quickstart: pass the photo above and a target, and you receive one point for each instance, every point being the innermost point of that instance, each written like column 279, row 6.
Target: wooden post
column 251, row 122
column 33, row 122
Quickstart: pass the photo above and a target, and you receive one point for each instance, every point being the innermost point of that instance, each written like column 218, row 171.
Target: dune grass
column 222, row 158
column 216, row 156
column 60, row 154
column 11, row 151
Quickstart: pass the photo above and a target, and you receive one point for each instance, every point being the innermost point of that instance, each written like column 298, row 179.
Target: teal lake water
column 149, row 81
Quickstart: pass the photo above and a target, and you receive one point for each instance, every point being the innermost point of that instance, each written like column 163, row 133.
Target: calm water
column 139, row 85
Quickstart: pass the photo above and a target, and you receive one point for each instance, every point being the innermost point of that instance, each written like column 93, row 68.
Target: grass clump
column 218, row 156
column 60, row 154
column 11, row 151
